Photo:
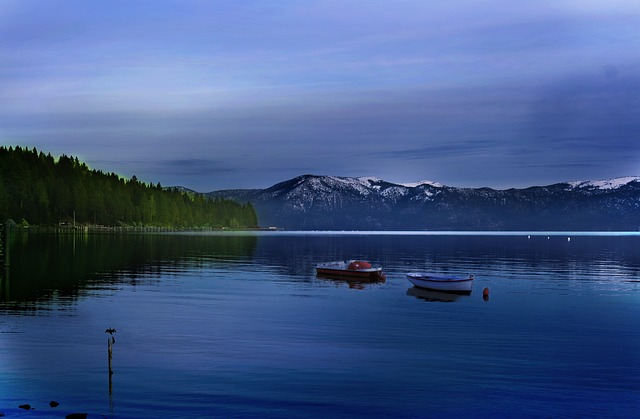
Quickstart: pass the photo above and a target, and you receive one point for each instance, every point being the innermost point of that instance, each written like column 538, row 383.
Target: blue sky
column 244, row 94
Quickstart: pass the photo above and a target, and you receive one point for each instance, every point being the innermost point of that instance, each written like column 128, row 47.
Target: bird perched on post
column 111, row 331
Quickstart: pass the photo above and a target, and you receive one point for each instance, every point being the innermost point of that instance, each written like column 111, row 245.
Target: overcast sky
column 245, row 94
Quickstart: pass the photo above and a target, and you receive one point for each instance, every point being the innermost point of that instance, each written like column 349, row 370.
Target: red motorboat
column 351, row 268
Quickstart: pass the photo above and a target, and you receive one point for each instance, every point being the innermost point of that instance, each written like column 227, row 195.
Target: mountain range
column 312, row 202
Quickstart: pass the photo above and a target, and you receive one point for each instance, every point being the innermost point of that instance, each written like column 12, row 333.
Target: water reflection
column 352, row 283
column 61, row 268
column 436, row 296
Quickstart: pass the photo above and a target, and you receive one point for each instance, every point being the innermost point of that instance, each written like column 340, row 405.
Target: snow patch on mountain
column 367, row 180
column 604, row 184
column 394, row 192
column 423, row 182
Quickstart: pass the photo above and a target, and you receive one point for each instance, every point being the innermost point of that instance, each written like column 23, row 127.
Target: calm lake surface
column 239, row 325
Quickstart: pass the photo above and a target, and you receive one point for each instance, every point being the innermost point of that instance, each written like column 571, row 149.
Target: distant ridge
column 604, row 184
column 312, row 202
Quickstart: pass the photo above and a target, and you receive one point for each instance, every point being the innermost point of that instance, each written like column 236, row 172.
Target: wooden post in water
column 110, row 341
column 110, row 350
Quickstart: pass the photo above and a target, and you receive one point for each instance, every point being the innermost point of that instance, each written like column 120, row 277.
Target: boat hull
column 362, row 274
column 341, row 269
column 441, row 282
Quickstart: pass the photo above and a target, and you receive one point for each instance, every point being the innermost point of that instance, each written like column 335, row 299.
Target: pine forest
column 38, row 189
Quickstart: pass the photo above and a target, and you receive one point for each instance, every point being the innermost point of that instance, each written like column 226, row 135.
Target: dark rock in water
column 54, row 403
column 25, row 406
column 76, row 416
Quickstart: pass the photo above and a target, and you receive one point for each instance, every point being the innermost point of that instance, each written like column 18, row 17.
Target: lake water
column 239, row 325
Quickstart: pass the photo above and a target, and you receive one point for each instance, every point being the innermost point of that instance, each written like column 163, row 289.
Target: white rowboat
column 441, row 282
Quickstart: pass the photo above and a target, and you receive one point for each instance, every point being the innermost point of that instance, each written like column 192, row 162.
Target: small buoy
column 54, row 403
column 568, row 239
column 485, row 294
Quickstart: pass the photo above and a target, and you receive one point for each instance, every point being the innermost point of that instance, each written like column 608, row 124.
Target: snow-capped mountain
column 312, row 202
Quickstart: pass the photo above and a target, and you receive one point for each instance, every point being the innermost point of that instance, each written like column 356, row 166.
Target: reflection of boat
column 432, row 295
column 441, row 282
column 358, row 269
